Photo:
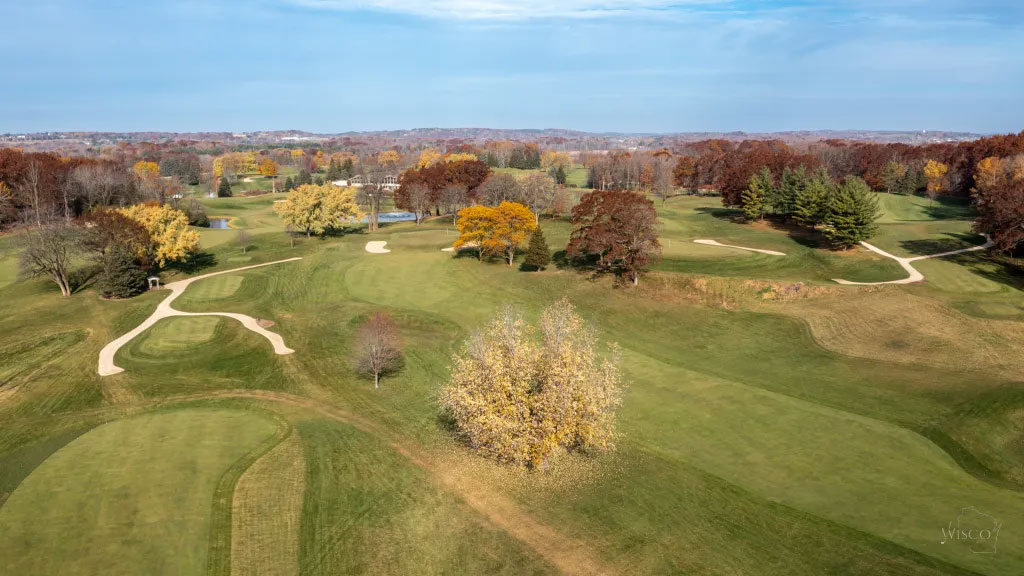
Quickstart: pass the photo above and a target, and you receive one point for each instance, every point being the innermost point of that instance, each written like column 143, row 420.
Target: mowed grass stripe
column 130, row 497
column 266, row 512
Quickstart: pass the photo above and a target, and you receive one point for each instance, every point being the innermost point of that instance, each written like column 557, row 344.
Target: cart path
column 720, row 245
column 164, row 310
column 914, row 276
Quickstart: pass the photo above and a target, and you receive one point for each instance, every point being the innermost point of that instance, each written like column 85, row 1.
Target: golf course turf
column 774, row 422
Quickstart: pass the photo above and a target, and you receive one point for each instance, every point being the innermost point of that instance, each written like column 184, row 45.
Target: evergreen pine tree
column 289, row 185
column 333, row 171
column 537, row 253
column 852, row 212
column 559, row 175
column 224, row 189
column 121, row 276
column 811, row 203
column 304, row 177
column 755, row 197
column 347, row 168
column 783, row 201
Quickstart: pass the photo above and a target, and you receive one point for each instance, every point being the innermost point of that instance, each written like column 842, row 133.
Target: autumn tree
column 49, row 250
column 170, row 238
column 146, row 170
column 684, row 173
column 852, row 211
column 999, row 199
column 268, row 168
column 418, row 200
column 475, row 225
column 316, row 209
column 661, row 178
column 935, row 172
column 538, row 192
column 377, row 349
column 501, row 187
column 513, row 222
column 538, row 255
column 521, row 398
column 618, row 228
column 244, row 240
column 551, row 160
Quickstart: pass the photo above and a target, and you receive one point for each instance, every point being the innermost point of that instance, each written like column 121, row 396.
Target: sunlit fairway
column 766, row 429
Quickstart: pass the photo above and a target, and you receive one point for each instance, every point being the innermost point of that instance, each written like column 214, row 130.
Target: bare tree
column 419, row 200
column 500, row 188
column 244, row 240
column 378, row 348
column 454, row 196
column 538, row 191
column 48, row 251
column 661, row 184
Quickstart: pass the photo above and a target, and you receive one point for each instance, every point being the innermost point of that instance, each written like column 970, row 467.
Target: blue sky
column 598, row 65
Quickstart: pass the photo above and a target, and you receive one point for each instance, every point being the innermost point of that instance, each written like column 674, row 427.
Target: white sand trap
column 915, row 276
column 448, row 249
column 377, row 247
column 164, row 310
column 758, row 250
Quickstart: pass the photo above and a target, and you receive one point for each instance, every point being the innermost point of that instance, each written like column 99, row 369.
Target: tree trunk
column 376, row 380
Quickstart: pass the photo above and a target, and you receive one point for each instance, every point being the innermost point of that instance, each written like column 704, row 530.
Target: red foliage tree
column 618, row 227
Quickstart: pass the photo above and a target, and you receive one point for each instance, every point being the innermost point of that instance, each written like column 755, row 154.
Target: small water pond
column 219, row 223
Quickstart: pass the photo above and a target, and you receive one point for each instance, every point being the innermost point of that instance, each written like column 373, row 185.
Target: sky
column 596, row 65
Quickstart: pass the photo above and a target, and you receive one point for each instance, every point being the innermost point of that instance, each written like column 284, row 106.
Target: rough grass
column 130, row 497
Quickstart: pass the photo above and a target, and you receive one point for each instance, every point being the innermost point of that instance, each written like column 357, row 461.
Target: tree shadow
column 733, row 215
column 196, row 262
column 949, row 242
column 949, row 208
column 998, row 268
column 84, row 277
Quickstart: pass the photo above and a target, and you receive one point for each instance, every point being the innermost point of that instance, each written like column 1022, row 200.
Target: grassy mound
column 177, row 334
column 130, row 497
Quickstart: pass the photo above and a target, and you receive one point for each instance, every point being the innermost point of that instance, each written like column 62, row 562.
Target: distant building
column 390, row 183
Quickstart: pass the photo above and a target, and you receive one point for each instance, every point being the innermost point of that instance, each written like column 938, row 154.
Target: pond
column 393, row 217
column 219, row 223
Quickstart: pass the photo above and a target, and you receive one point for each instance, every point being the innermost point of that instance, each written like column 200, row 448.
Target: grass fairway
column 774, row 423
column 131, row 497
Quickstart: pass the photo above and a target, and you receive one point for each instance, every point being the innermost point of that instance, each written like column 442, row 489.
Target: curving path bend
column 164, row 310
column 914, row 276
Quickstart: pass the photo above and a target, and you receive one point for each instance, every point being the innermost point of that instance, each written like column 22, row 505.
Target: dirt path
column 377, row 247
column 164, row 310
column 758, row 250
column 569, row 555
column 914, row 276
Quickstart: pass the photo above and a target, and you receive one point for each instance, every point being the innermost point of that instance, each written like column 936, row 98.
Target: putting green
column 130, row 497
column 215, row 288
column 178, row 333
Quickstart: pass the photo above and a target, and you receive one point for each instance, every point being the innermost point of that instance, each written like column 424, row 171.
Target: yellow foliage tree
column 268, row 167
column 935, row 172
column 988, row 173
column 460, row 157
column 429, row 157
column 316, row 209
column 171, row 240
column 146, row 170
column 297, row 153
column 551, row 160
column 237, row 162
column 499, row 230
column 389, row 158
column 520, row 400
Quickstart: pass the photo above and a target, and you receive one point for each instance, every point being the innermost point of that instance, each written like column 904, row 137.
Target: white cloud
column 483, row 10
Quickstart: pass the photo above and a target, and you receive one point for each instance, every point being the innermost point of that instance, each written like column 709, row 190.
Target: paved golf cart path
column 915, row 276
column 164, row 310
column 720, row 245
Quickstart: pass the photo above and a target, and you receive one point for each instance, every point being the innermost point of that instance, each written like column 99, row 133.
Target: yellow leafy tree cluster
column 551, row 160
column 146, row 170
column 498, row 230
column 268, row 167
column 520, row 399
column 315, row 209
column 935, row 172
column 297, row 153
column 170, row 238
column 237, row 162
column 389, row 158
column 460, row 157
column 432, row 156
